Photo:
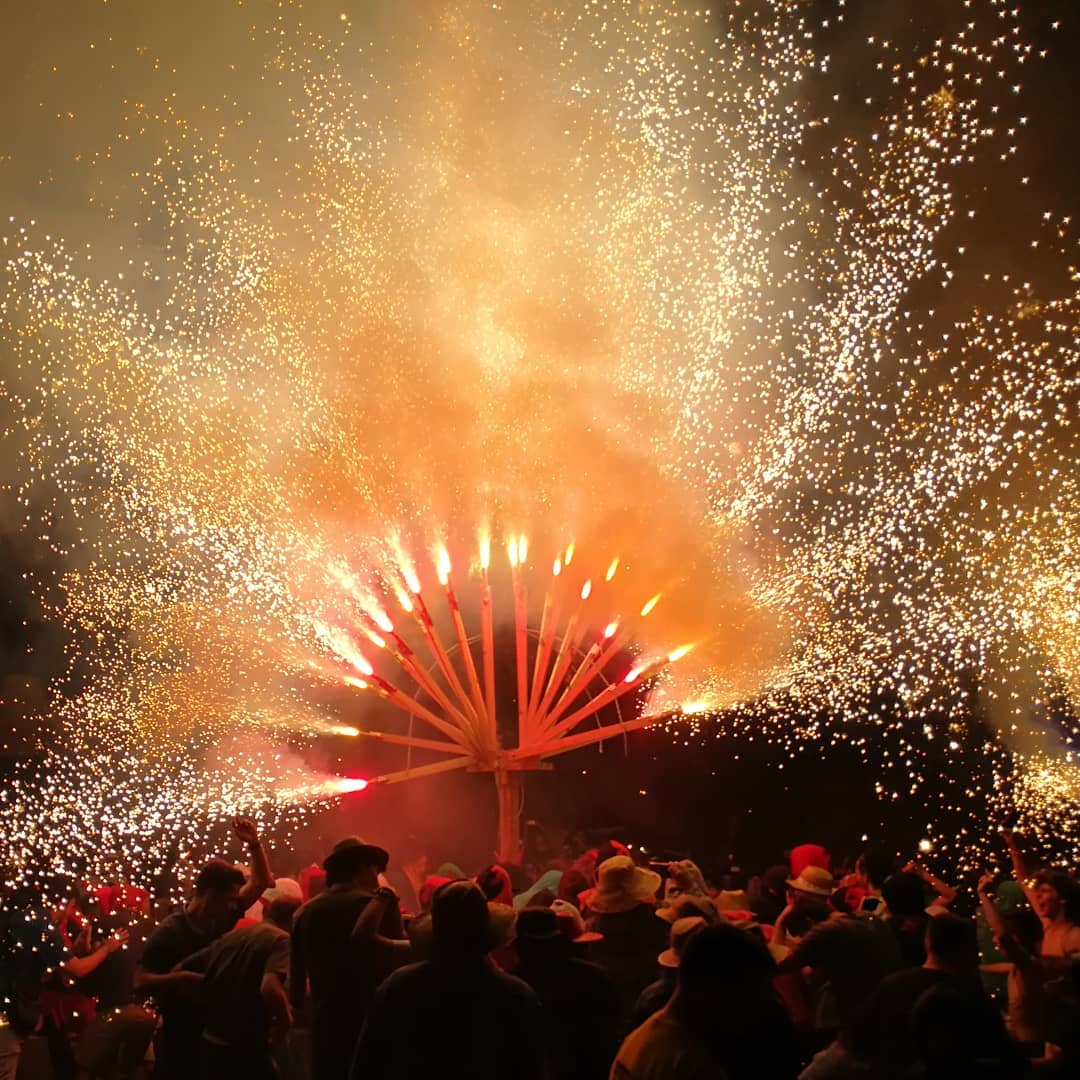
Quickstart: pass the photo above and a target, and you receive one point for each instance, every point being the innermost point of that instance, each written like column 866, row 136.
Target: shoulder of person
column 518, row 985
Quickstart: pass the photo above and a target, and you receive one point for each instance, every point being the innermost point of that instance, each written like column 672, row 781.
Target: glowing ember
column 682, row 287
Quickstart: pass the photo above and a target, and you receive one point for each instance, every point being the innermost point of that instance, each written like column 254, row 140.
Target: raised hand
column 245, row 831
column 118, row 941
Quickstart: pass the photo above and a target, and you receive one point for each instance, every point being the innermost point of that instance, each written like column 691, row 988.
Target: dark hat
column 352, row 853
column 537, row 924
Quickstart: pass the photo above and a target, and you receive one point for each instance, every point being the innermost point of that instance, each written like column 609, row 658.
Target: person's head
column 494, row 882
column 460, row 921
column 1057, row 896
column 355, row 862
column 280, row 912
column 687, row 907
column 903, row 893
column 721, row 964
column 217, row 893
column 539, row 938
column 608, row 850
column 951, row 944
column 812, row 888
column 875, row 866
column 572, row 884
column 774, row 881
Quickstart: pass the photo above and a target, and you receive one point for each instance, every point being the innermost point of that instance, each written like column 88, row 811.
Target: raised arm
column 78, row 966
column 366, row 928
column 261, row 878
column 1019, row 870
column 946, row 894
column 780, row 935
column 989, row 908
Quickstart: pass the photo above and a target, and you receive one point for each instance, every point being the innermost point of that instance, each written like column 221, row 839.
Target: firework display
column 677, row 284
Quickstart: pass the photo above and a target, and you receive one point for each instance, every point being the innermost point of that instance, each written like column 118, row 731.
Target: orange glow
column 650, row 604
column 556, row 568
column 382, row 620
column 352, row 680
column 611, row 629
column 523, row 549
column 585, row 590
column 413, row 582
column 344, row 729
column 346, row 785
column 568, row 558
column 611, row 569
column 485, row 552
column 679, row 653
column 442, row 564
column 512, row 550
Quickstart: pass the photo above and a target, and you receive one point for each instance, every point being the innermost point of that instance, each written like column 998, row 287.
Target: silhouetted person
column 581, row 1007
column 221, row 897
column 329, row 964
column 885, row 1034
column 243, row 992
column 622, row 908
column 723, row 1021
column 454, row 1014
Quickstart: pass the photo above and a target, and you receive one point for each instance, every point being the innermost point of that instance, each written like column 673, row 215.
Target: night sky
column 71, row 72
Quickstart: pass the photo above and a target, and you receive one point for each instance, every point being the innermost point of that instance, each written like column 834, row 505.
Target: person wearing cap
column 622, row 908
column 581, row 1006
column 333, row 974
column 454, row 1014
column 243, row 989
column 657, row 994
column 808, row 905
column 222, row 895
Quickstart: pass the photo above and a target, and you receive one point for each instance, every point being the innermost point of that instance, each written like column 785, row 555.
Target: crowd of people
column 592, row 967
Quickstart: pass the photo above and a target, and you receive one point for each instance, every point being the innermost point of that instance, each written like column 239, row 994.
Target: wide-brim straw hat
column 681, row 932
column 814, row 881
column 687, row 905
column 621, row 885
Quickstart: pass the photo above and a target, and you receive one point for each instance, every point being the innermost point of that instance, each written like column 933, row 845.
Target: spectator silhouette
column 455, row 1007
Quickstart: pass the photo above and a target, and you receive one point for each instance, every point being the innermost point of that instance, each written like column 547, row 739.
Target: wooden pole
column 509, row 784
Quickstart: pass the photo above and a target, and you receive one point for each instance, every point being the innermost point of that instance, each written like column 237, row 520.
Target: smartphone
column 870, row 905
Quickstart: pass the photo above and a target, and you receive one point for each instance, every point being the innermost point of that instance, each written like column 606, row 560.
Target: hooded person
column 622, row 908
column 456, row 1003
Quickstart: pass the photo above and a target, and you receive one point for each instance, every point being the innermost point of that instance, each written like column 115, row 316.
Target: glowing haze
column 466, row 273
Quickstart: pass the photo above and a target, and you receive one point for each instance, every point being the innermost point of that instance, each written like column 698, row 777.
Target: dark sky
column 69, row 70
